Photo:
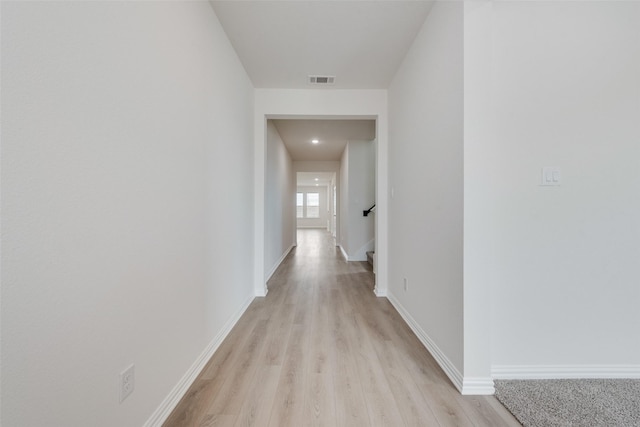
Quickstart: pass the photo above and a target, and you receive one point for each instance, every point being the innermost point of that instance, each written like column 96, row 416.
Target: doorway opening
column 320, row 173
column 316, row 201
column 337, row 105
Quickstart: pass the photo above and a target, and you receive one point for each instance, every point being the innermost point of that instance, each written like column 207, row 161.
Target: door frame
column 320, row 104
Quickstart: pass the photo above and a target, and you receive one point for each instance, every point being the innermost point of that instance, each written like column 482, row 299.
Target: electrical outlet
column 127, row 382
column 406, row 284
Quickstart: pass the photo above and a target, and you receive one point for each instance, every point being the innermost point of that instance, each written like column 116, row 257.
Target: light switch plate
column 551, row 177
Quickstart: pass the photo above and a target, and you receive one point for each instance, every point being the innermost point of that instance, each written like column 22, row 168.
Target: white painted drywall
column 426, row 180
column 333, row 205
column 279, row 216
column 358, row 193
column 343, row 204
column 564, row 260
column 127, row 205
column 478, row 133
column 316, row 166
column 321, row 221
column 284, row 103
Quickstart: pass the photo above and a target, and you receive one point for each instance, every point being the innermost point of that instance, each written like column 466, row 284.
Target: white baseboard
column 379, row 293
column 344, row 253
column 466, row 386
column 163, row 411
column 361, row 254
column 277, row 264
column 356, row 257
column 444, row 362
column 550, row 372
column 477, row 386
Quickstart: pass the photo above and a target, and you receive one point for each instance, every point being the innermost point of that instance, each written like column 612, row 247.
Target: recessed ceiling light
column 316, row 179
column 317, row 185
column 314, row 141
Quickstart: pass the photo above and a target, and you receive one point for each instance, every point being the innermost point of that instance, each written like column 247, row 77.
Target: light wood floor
column 322, row 350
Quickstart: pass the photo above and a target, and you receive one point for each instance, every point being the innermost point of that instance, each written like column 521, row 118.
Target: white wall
column 564, row 263
column 321, row 221
column 316, row 166
column 280, row 220
column 343, row 204
column 358, row 194
column 291, row 103
column 333, row 205
column 550, row 283
column 127, row 204
column 426, row 184
column 477, row 252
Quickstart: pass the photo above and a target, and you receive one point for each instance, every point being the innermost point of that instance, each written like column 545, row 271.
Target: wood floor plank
column 195, row 402
column 217, row 420
column 381, row 404
column 447, row 410
column 414, row 408
column 233, row 392
column 502, row 412
column 319, row 402
column 351, row 407
column 483, row 413
column 279, row 334
column 320, row 345
column 289, row 401
column 257, row 406
column 219, row 366
column 322, row 350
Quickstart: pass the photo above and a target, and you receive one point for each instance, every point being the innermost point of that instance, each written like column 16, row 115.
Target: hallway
column 321, row 349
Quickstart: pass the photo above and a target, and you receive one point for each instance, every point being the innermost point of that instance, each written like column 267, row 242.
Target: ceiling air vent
column 322, row 80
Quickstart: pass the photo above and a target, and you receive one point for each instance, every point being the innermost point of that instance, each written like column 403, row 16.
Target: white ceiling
column 361, row 42
column 332, row 134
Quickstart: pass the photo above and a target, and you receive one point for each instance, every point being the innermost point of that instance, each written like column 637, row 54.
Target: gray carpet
column 572, row 403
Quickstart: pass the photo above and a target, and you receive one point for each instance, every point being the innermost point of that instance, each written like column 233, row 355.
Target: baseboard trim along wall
column 477, row 386
column 163, row 411
column 467, row 386
column 552, row 372
column 356, row 257
column 277, row 264
column 344, row 253
column 447, row 366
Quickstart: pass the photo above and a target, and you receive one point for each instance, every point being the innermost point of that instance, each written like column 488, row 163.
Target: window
column 307, row 205
column 299, row 206
column 313, row 205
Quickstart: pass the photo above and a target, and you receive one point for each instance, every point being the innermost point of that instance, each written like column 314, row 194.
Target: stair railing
column 368, row 211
